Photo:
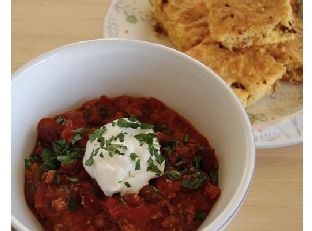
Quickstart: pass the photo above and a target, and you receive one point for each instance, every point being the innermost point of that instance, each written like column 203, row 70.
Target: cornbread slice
column 296, row 5
column 250, row 73
column 290, row 54
column 185, row 21
column 243, row 23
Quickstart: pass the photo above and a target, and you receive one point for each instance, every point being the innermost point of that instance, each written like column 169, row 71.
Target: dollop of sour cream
column 123, row 156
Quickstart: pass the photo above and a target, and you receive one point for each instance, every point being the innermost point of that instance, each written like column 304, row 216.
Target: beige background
column 275, row 198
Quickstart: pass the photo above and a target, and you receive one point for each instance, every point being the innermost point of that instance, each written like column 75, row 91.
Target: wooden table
column 275, row 198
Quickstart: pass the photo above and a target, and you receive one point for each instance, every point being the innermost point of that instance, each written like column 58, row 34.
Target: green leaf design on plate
column 132, row 18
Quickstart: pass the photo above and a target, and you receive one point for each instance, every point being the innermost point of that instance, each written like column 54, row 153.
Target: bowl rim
column 223, row 218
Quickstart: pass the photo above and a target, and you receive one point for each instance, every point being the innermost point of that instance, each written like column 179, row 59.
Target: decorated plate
column 276, row 119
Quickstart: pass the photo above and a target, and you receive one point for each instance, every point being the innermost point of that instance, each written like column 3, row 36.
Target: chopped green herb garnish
column 60, row 120
column 186, row 139
column 145, row 138
column 132, row 119
column 64, row 152
column 173, row 175
column 196, row 161
column 59, row 145
column 97, row 134
column 90, row 160
column 180, row 161
column 146, row 126
column 163, row 126
column 137, row 165
column 48, row 159
column 159, row 158
column 213, row 176
column 121, row 136
column 65, row 159
column 71, row 204
column 134, row 123
column 127, row 184
column 113, row 148
column 152, row 167
column 200, row 216
column 101, row 155
column 73, row 180
column 202, row 148
column 170, row 147
column 27, row 163
column 133, row 156
column 103, row 110
column 125, row 124
column 196, row 182
column 80, row 130
column 34, row 158
column 41, row 169
column 76, row 138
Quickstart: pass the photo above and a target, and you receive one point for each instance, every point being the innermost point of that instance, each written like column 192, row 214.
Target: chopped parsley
column 196, row 161
column 200, row 216
column 126, row 124
column 97, row 134
column 152, row 167
column 133, row 156
column 173, row 175
column 64, row 159
column 170, row 147
column 202, row 148
column 163, row 126
column 159, row 158
column 90, row 160
column 113, row 148
column 103, row 110
column 132, row 123
column 71, row 204
column 137, row 165
column 127, row 184
column 145, row 138
column 73, row 180
column 64, row 152
column 76, row 138
column 31, row 159
column 213, row 176
column 80, row 130
column 60, row 120
column 27, row 163
column 196, row 182
column 186, row 139
column 121, row 136
column 48, row 159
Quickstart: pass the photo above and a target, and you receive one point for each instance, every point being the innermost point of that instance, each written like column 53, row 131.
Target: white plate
column 277, row 119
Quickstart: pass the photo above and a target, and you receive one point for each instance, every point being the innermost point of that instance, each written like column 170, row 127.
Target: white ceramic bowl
column 62, row 79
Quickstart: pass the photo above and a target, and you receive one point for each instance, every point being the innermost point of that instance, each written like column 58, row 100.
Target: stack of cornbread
column 250, row 44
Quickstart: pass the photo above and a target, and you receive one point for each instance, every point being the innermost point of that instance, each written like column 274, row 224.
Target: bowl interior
column 64, row 78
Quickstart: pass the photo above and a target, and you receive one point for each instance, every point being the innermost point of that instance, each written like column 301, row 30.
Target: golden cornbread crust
column 185, row 21
column 249, row 72
column 290, row 54
column 244, row 23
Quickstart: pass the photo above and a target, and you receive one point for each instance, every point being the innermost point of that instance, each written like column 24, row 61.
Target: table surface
column 274, row 201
